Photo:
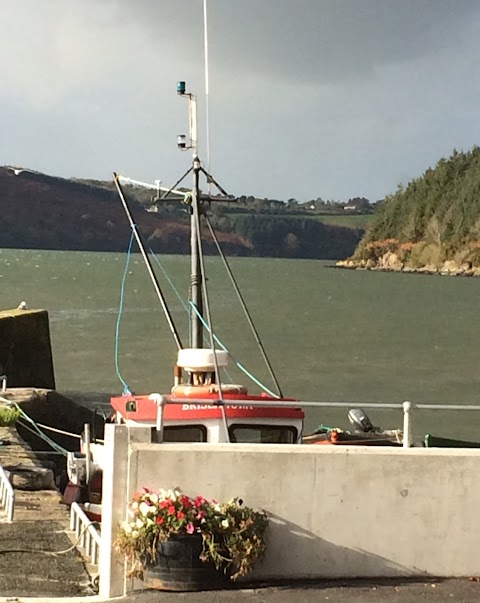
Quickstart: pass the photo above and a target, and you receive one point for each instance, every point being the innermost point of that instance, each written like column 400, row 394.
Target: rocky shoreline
column 390, row 262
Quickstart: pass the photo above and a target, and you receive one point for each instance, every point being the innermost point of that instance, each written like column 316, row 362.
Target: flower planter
column 164, row 535
column 179, row 567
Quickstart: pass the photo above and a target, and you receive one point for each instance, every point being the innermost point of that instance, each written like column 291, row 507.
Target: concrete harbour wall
column 25, row 349
column 335, row 511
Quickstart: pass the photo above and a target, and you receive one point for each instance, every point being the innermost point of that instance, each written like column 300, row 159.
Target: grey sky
column 308, row 98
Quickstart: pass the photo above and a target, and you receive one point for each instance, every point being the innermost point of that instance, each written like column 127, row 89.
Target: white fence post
column 7, row 495
column 114, row 504
column 407, row 424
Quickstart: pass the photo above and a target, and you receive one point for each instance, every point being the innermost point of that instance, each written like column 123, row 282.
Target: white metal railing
column 7, row 495
column 88, row 537
column 407, row 407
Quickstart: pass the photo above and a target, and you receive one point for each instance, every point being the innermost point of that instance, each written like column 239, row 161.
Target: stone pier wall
column 25, row 349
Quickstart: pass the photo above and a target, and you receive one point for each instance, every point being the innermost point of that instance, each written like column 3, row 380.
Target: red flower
column 186, row 502
column 160, row 520
column 180, row 515
column 171, row 510
column 199, row 501
column 164, row 504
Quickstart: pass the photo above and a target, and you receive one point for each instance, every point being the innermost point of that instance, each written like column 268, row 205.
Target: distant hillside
column 44, row 212
column 431, row 225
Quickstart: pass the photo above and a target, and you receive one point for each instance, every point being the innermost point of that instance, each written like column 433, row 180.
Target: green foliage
column 425, row 254
column 441, row 208
column 303, row 237
column 8, row 416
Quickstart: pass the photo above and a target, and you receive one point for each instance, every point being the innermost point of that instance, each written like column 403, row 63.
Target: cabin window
column 263, row 434
column 187, row 433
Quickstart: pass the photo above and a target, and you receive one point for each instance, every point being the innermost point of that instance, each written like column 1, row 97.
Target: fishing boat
column 202, row 406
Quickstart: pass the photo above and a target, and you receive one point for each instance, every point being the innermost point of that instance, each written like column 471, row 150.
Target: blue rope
column 126, row 389
column 240, row 366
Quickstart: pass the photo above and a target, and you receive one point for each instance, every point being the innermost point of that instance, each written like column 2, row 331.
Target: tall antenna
column 207, row 86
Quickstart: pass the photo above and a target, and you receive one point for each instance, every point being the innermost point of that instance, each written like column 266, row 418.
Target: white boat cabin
column 199, row 410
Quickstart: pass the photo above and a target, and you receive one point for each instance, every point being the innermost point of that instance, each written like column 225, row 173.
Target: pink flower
column 190, row 528
column 200, row 515
column 199, row 501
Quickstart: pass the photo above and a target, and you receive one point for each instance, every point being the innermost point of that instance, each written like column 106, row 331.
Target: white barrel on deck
column 201, row 360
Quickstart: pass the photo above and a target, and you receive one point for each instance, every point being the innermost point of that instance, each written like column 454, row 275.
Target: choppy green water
column 331, row 334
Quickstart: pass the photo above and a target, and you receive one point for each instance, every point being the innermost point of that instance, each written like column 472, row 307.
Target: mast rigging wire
column 244, row 306
column 239, row 365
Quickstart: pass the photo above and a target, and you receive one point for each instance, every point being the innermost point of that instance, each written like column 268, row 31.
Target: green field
column 359, row 221
column 348, row 220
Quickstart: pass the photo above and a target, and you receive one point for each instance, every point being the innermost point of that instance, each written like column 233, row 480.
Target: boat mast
column 198, row 290
column 196, row 327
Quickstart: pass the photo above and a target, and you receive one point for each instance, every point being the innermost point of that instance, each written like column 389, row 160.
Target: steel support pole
column 196, row 327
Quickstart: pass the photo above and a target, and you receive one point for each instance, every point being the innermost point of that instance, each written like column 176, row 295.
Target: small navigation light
column 182, row 142
column 181, row 87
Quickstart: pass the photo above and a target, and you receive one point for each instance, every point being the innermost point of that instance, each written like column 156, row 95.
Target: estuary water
column 331, row 334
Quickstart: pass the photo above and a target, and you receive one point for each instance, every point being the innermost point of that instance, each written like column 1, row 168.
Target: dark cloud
column 336, row 39
column 308, row 97
column 306, row 40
